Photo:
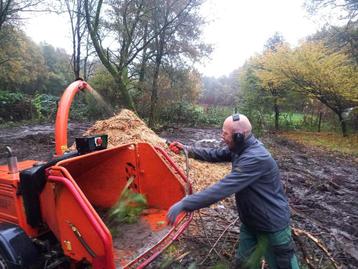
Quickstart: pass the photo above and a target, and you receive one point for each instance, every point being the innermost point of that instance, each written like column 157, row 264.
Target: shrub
column 14, row 106
column 45, row 106
column 189, row 114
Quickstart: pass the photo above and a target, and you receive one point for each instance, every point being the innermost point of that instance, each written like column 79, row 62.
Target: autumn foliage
column 313, row 70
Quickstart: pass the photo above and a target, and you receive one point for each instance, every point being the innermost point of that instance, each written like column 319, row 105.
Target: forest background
column 141, row 55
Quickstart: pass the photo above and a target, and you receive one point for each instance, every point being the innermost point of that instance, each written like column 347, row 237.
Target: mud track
column 35, row 142
column 322, row 188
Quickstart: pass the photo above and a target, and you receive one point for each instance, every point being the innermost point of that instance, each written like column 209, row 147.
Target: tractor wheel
column 3, row 263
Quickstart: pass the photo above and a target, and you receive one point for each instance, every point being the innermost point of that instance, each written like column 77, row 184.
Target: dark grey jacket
column 255, row 180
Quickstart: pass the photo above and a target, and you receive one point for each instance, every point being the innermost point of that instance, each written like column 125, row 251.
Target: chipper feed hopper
column 51, row 213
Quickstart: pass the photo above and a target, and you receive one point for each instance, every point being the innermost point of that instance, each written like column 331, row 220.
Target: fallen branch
column 168, row 263
column 206, row 235
column 298, row 232
column 216, row 242
column 181, row 257
column 304, row 252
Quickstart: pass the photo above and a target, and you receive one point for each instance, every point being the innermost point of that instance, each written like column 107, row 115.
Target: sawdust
column 126, row 127
column 202, row 174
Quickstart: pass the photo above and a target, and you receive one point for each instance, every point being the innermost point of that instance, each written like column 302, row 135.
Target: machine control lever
column 11, row 161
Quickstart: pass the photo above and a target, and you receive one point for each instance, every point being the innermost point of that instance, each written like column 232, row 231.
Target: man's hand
column 174, row 211
column 176, row 147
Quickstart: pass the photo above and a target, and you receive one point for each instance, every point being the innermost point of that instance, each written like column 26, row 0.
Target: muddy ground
column 321, row 186
column 35, row 142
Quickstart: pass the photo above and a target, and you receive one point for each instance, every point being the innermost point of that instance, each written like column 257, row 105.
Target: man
column 260, row 199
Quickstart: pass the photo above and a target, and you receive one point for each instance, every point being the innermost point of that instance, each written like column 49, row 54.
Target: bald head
column 230, row 127
column 242, row 125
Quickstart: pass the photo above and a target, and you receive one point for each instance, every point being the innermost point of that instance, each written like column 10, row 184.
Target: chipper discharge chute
column 55, row 214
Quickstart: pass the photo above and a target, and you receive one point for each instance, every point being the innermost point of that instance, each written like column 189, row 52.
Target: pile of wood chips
column 126, row 127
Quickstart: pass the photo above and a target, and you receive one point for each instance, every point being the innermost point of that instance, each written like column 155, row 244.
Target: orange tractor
column 50, row 212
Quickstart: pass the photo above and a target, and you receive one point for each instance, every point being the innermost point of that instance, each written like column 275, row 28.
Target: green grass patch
column 328, row 141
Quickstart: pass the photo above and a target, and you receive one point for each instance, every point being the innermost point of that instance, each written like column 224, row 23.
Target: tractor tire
column 3, row 263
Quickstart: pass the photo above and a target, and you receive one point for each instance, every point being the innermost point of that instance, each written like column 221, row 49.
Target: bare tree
column 177, row 40
column 341, row 37
column 123, row 26
column 75, row 10
column 10, row 10
column 349, row 7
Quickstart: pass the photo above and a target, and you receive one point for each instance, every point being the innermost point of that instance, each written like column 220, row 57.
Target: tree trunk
column 117, row 75
column 78, row 29
column 277, row 115
column 75, row 19
column 343, row 125
column 144, row 60
column 127, row 98
column 319, row 121
column 154, row 97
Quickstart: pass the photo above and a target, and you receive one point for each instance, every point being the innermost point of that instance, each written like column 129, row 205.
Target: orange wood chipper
column 50, row 211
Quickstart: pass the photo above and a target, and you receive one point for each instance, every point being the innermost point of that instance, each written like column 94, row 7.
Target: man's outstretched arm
column 204, row 154
column 210, row 154
column 237, row 180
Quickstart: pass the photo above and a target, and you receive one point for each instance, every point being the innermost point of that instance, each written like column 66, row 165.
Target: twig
column 176, row 259
column 231, row 231
column 298, row 232
column 320, row 261
column 210, row 215
column 207, row 237
column 231, row 224
column 223, row 244
column 182, row 256
column 234, row 247
column 304, row 252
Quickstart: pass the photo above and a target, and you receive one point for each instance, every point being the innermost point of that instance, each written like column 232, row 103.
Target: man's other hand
column 174, row 211
column 176, row 147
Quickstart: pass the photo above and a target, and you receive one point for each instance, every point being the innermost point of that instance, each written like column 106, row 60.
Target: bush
column 215, row 115
column 83, row 107
column 189, row 114
column 45, row 106
column 14, row 106
column 183, row 112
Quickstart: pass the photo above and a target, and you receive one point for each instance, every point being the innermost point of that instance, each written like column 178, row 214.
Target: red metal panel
column 98, row 179
column 11, row 204
column 102, row 175
column 157, row 182
column 72, row 207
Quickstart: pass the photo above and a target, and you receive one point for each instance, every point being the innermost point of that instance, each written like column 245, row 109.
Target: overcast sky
column 237, row 29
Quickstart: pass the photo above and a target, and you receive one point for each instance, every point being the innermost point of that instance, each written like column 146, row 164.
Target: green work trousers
column 277, row 248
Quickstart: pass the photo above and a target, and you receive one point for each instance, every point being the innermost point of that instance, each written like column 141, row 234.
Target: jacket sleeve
column 210, row 154
column 240, row 177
